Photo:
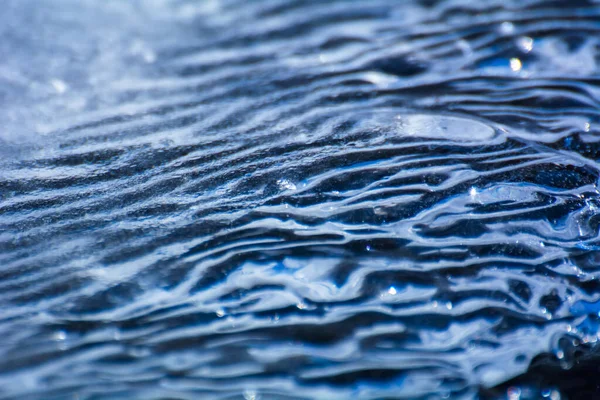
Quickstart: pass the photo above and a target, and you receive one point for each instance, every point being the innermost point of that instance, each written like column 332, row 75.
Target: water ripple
column 295, row 199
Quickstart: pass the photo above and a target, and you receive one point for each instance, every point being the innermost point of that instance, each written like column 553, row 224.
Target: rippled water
column 284, row 199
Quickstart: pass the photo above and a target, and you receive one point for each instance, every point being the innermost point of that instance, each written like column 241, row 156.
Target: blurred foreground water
column 280, row 199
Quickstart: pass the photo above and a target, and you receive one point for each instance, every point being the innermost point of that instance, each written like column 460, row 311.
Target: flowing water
column 278, row 199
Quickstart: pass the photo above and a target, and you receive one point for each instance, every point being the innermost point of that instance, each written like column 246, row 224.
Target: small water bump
column 141, row 49
column 59, row 85
column 456, row 129
column 59, row 336
column 251, row 395
column 392, row 291
column 507, row 28
column 464, row 47
column 231, row 321
column 550, row 394
column 220, row 313
column 380, row 211
column 139, row 351
column 285, row 184
column 513, row 393
column 449, row 305
column 301, row 306
column 525, row 43
column 380, row 79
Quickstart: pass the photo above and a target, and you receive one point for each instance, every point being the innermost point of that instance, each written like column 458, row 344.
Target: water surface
column 285, row 199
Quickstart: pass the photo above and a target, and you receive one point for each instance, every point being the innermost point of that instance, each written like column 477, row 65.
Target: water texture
column 284, row 199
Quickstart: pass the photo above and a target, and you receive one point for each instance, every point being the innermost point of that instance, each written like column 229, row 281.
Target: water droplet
column 392, row 290
column 301, row 306
column 220, row 313
column 449, row 305
column 515, row 64
column 59, row 336
column 560, row 354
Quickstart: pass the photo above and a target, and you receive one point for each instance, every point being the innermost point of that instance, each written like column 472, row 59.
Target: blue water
column 277, row 199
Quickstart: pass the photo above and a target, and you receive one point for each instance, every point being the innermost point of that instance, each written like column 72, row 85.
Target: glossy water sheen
column 284, row 199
